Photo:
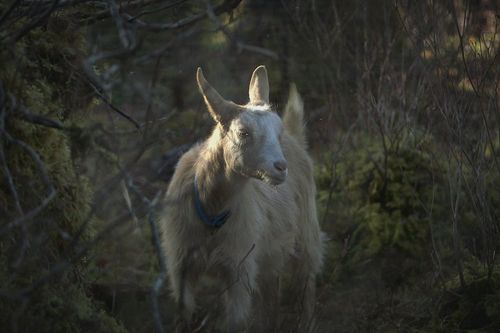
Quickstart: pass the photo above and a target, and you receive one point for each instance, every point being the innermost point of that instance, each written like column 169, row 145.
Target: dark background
column 98, row 100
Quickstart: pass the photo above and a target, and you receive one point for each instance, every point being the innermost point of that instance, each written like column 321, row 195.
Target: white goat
column 241, row 207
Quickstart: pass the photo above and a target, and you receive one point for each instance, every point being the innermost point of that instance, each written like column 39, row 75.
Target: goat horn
column 220, row 109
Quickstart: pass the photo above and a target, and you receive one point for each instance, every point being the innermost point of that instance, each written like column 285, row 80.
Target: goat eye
column 243, row 133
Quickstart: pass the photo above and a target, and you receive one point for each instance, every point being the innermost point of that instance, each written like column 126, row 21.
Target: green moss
column 41, row 72
column 64, row 308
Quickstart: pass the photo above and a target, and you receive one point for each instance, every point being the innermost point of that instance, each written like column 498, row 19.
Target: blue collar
column 212, row 221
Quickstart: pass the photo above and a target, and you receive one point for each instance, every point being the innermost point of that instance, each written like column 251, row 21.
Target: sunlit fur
column 272, row 227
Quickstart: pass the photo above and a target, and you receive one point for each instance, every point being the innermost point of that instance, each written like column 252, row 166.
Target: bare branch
column 9, row 10
column 26, row 115
column 211, row 12
column 157, row 10
column 45, row 178
column 104, row 14
column 155, row 237
column 226, row 6
column 126, row 38
column 113, row 107
column 35, row 23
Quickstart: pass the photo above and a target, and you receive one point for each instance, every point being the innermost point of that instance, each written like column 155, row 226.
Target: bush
column 394, row 252
column 384, row 201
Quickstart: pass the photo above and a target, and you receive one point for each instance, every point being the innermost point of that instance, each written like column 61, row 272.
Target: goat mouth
column 273, row 180
column 269, row 178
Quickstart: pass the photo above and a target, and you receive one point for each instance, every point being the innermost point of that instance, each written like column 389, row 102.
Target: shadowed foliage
column 98, row 101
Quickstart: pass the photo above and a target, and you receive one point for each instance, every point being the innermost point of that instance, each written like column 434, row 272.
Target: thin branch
column 26, row 115
column 160, row 280
column 115, row 108
column 226, row 6
column 9, row 180
column 6, row 170
column 239, row 44
column 157, row 10
column 155, row 237
column 41, row 170
column 469, row 78
column 9, row 10
column 45, row 178
column 104, row 14
column 149, row 108
column 159, row 52
column 64, row 265
column 125, row 37
column 35, row 23
column 158, row 27
column 462, row 50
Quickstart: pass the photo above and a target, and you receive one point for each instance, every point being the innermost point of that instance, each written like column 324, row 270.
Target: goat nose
column 280, row 165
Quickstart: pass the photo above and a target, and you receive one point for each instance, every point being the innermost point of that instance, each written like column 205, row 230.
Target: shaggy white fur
column 256, row 166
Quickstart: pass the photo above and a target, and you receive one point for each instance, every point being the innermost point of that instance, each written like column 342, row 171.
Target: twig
column 125, row 37
column 3, row 161
column 149, row 108
column 45, row 178
column 226, row 6
column 157, row 10
column 10, row 180
column 159, row 52
column 41, row 169
column 160, row 280
column 238, row 271
column 155, row 238
column 104, row 14
column 33, row 24
column 62, row 266
column 26, row 115
column 116, row 109
column 239, row 44
column 9, row 10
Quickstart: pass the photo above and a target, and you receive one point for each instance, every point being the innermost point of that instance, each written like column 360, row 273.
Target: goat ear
column 221, row 110
column 259, row 86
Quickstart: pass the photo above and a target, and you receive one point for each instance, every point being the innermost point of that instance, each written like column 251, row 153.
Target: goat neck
column 217, row 183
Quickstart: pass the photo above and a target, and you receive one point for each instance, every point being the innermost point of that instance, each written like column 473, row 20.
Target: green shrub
column 384, row 200
column 393, row 249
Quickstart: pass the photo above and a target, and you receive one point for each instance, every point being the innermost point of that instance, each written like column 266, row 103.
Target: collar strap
column 212, row 221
